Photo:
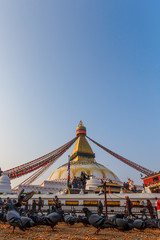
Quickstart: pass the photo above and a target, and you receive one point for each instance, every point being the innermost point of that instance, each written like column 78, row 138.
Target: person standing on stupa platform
column 75, row 182
column 124, row 185
column 83, row 180
column 102, row 180
column 84, row 177
column 127, row 186
column 128, row 206
column 79, row 183
column 157, row 206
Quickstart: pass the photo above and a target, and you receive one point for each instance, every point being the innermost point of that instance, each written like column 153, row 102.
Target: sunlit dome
column 82, row 159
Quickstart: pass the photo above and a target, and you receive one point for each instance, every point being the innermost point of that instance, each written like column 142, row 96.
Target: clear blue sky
column 66, row 61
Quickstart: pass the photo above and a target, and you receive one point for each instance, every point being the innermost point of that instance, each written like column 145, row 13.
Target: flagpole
column 105, row 198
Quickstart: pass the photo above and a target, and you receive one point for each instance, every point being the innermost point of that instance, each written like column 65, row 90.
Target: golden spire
column 82, row 149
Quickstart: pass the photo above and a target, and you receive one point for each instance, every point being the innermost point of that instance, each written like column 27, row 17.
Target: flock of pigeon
column 23, row 222
column 100, row 222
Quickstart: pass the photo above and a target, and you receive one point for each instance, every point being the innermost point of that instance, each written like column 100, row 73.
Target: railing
column 112, row 210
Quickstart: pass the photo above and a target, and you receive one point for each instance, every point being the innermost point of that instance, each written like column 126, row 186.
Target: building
column 152, row 183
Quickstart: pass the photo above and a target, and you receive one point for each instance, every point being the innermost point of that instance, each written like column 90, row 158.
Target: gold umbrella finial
column 80, row 130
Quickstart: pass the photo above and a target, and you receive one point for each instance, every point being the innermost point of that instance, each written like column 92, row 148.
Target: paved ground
column 76, row 232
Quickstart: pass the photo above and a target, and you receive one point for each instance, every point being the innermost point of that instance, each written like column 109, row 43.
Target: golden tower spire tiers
column 82, row 149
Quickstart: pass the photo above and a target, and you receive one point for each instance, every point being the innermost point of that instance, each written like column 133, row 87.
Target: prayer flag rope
column 126, row 161
column 39, row 162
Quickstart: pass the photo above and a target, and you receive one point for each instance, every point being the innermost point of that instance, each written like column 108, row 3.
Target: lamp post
column 105, row 198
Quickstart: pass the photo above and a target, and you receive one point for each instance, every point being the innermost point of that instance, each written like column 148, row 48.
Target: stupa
column 83, row 159
column 5, row 184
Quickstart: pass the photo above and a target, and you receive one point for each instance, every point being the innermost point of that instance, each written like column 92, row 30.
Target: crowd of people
column 144, row 207
column 55, row 206
column 129, row 185
column 129, row 205
column 36, row 206
column 79, row 182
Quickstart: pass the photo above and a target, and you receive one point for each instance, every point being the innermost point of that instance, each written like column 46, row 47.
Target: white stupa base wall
column 47, row 187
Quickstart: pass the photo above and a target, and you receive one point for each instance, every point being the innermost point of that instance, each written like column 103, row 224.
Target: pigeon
column 121, row 223
column 13, row 218
column 97, row 221
column 84, row 220
column 27, row 222
column 151, row 223
column 139, row 224
column 52, row 219
column 69, row 219
column 38, row 220
column 23, row 198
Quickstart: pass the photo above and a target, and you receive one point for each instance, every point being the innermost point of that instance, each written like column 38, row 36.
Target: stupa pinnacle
column 82, row 159
column 80, row 130
column 82, row 148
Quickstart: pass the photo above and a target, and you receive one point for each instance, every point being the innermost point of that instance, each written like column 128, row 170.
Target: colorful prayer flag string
column 126, row 161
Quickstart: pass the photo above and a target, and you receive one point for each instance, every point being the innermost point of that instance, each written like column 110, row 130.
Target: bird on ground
column 84, row 220
column 69, row 219
column 121, row 223
column 139, row 224
column 14, row 219
column 52, row 219
column 97, row 221
column 38, row 220
column 27, row 222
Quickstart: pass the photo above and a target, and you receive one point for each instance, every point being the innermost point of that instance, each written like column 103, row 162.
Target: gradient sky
column 66, row 61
